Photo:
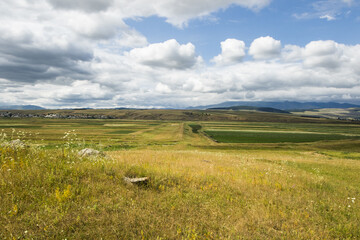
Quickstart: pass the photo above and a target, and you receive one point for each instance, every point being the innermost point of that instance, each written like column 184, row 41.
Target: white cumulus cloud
column 169, row 54
column 232, row 51
column 327, row 54
column 265, row 48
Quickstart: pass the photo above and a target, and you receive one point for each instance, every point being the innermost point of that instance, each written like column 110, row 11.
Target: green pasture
column 207, row 179
column 329, row 128
column 52, row 131
column 119, row 134
column 273, row 137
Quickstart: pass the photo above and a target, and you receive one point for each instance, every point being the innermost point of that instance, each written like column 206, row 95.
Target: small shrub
column 195, row 127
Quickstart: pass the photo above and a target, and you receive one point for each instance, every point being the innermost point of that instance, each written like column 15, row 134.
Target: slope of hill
column 168, row 115
column 20, row 107
column 249, row 108
column 333, row 113
column 287, row 105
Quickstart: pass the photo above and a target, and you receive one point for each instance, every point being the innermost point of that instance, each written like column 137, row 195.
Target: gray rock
column 15, row 144
column 143, row 180
column 89, row 152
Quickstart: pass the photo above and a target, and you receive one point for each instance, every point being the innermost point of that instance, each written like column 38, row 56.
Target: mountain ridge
column 20, row 107
column 281, row 105
column 286, row 105
column 250, row 108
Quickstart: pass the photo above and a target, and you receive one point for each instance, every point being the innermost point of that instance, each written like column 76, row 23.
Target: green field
column 209, row 179
column 272, row 137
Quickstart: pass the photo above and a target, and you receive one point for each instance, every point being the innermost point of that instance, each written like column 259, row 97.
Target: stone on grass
column 139, row 181
column 89, row 152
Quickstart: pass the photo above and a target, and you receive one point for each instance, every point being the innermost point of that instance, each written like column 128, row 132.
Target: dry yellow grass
column 191, row 195
column 279, row 193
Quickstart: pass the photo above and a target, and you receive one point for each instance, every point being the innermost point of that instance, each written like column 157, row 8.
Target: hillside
column 249, row 108
column 20, row 107
column 332, row 113
column 286, row 105
column 173, row 115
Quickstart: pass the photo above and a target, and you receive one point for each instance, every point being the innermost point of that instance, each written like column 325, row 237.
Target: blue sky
column 170, row 53
column 277, row 20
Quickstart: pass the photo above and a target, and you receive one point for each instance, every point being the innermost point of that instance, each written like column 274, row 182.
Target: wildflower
column 14, row 210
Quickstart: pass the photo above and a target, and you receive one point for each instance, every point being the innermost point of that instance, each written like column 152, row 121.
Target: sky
column 175, row 54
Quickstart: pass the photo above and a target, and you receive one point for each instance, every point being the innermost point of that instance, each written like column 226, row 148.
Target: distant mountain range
column 286, row 106
column 260, row 109
column 234, row 105
column 20, row 107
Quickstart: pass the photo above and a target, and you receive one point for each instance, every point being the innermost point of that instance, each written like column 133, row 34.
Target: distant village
column 9, row 114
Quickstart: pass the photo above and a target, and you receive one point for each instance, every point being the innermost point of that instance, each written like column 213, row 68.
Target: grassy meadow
column 208, row 179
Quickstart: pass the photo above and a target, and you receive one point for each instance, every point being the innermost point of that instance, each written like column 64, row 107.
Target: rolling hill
column 286, row 105
column 250, row 108
column 20, row 107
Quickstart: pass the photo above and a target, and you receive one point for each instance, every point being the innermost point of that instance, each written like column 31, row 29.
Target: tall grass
column 46, row 194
